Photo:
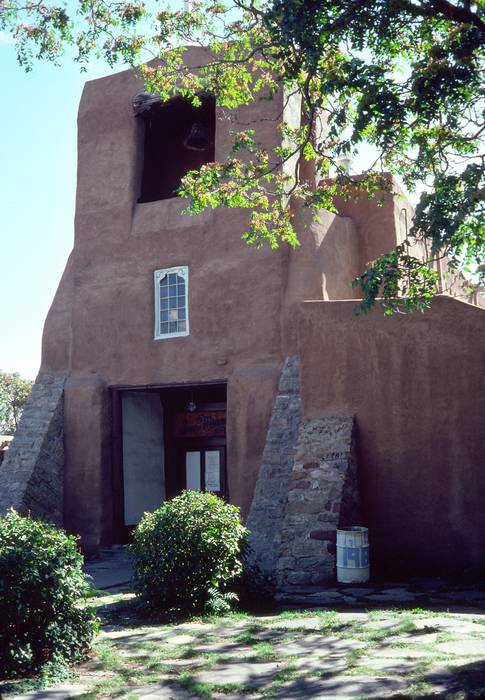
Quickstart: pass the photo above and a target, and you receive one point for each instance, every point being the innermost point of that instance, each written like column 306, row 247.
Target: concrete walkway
column 434, row 593
column 112, row 570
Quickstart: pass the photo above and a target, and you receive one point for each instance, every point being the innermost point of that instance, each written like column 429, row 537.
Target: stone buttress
column 32, row 473
column 306, row 488
column 267, row 513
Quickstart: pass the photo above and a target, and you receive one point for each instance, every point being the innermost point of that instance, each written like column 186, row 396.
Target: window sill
column 171, row 335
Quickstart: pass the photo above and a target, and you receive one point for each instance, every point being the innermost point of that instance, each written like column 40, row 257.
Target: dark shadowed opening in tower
column 178, row 137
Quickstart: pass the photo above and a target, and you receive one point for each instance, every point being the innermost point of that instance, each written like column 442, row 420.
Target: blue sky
column 37, row 194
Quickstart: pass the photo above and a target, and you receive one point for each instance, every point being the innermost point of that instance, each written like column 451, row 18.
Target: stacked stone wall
column 306, row 488
column 31, row 475
column 267, row 511
column 322, row 496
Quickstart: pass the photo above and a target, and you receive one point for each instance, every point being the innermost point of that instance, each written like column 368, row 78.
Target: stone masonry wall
column 267, row 511
column 31, row 475
column 322, row 495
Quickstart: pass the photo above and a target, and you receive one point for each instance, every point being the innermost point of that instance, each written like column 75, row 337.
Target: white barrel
column 353, row 555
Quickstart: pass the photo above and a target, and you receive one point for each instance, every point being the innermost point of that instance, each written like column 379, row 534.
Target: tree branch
column 446, row 9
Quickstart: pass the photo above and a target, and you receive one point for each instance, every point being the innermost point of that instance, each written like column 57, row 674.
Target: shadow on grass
column 336, row 658
column 371, row 656
column 461, row 682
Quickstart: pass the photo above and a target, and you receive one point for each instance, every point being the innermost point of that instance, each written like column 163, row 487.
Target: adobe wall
column 416, row 387
column 243, row 302
column 321, row 267
column 100, row 327
column 101, row 324
column 381, row 223
column 384, row 222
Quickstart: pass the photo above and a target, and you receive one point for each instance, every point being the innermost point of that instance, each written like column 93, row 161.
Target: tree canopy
column 403, row 76
column 14, row 392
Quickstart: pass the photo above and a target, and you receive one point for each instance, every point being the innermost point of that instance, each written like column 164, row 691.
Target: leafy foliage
column 186, row 552
column 403, row 76
column 14, row 392
column 43, row 619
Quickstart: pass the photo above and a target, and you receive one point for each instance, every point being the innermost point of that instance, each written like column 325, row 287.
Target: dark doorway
column 166, row 439
column 178, row 137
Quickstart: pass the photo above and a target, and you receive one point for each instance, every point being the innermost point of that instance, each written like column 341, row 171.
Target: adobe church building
column 176, row 356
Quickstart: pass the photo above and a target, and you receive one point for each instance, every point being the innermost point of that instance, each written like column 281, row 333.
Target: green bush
column 186, row 553
column 43, row 619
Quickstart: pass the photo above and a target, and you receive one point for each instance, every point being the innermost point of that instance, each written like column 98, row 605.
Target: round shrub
column 186, row 553
column 43, row 619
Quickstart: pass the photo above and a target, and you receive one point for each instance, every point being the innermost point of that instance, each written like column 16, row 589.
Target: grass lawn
column 291, row 654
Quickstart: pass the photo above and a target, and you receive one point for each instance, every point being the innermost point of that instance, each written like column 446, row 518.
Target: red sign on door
column 200, row 424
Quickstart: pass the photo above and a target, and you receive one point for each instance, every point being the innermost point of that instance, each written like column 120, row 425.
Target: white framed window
column 171, row 302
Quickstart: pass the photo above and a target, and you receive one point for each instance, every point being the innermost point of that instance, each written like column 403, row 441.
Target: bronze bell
column 198, row 138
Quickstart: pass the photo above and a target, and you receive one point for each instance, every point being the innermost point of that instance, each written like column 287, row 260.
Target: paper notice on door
column 192, row 471
column 212, row 470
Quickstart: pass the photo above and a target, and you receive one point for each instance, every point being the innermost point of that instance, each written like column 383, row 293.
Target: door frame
column 120, row 532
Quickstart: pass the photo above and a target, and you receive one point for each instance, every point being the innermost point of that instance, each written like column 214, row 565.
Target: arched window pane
column 171, row 311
